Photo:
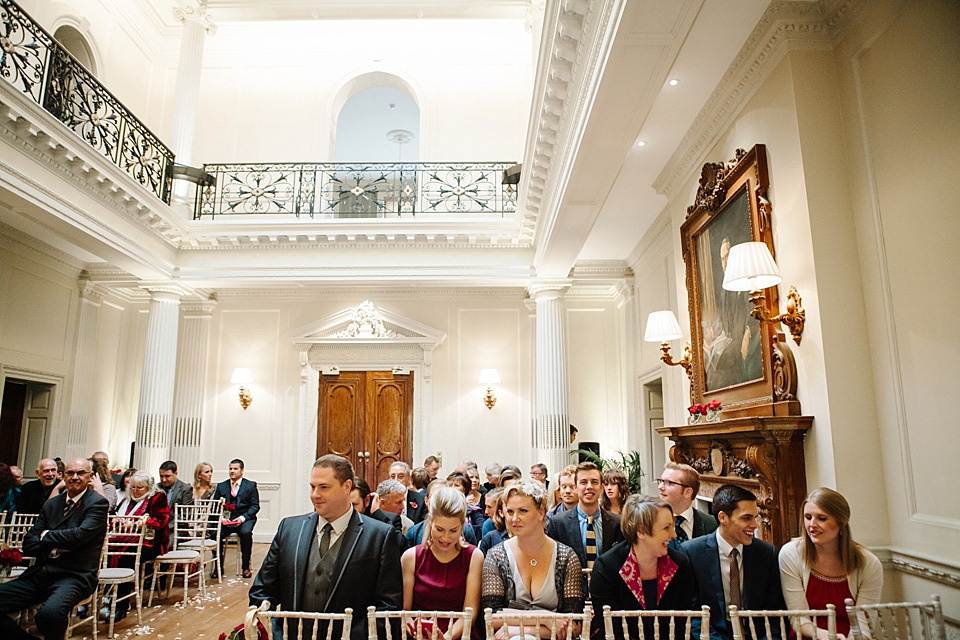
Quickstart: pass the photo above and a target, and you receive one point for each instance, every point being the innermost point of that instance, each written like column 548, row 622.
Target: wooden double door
column 367, row 417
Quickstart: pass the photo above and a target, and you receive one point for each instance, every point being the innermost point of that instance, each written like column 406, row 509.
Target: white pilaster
column 551, row 429
column 84, row 367
column 186, row 93
column 155, row 414
column 191, row 378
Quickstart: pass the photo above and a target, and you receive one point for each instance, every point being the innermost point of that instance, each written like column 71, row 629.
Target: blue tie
column 681, row 534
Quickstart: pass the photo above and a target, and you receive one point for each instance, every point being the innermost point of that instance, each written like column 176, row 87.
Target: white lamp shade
column 489, row 376
column 662, row 326
column 750, row 267
column 241, row 376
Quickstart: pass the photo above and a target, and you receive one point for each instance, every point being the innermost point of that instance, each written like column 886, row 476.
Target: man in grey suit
column 679, row 485
column 178, row 491
column 331, row 559
column 587, row 529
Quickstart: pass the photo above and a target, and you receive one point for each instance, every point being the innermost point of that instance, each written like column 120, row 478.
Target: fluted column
column 154, row 417
column 84, row 367
column 186, row 93
column 191, row 382
column 551, row 429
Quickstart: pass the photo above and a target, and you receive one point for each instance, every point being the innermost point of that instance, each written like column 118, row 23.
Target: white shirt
column 724, row 549
column 687, row 524
column 339, row 526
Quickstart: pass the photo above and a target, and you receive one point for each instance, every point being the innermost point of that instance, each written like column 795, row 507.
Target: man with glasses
column 679, row 485
column 65, row 540
column 415, row 503
column 539, row 473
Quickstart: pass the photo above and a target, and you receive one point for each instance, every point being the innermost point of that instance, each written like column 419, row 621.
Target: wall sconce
column 489, row 377
column 750, row 267
column 662, row 327
column 241, row 376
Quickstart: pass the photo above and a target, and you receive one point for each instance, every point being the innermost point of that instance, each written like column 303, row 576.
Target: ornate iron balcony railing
column 36, row 64
column 356, row 190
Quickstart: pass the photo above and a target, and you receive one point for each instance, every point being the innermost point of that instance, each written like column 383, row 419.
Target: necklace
column 533, row 559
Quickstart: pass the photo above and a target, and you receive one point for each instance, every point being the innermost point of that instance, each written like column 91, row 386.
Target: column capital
column 198, row 308
column 197, row 14
column 544, row 289
column 90, row 291
column 165, row 291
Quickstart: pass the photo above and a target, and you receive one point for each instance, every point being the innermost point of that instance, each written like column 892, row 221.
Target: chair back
column 416, row 624
column 295, row 620
column 897, row 621
column 214, row 507
column 125, row 536
column 534, row 621
column 773, row 625
column 17, row 529
column 672, row 619
column 191, row 523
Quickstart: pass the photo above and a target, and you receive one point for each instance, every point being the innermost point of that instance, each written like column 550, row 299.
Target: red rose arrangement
column 229, row 506
column 698, row 409
column 11, row 557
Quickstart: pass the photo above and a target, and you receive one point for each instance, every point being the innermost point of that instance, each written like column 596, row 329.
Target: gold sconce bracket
column 245, row 397
column 489, row 399
column 793, row 318
column 686, row 362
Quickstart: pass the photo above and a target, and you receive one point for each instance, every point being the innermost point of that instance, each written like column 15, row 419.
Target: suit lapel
column 305, row 537
column 716, row 580
column 59, row 503
column 348, row 543
column 573, row 531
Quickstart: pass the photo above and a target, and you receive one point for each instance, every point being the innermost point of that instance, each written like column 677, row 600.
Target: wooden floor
column 206, row 618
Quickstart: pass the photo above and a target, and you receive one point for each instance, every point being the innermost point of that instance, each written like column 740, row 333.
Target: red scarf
column 630, row 572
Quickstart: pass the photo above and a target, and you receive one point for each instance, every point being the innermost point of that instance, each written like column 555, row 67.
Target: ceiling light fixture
column 642, row 143
column 674, row 82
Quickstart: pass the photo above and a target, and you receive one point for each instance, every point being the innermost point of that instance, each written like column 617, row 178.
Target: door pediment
column 366, row 324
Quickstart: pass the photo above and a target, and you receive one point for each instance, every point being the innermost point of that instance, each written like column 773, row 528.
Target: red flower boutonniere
column 413, row 505
column 229, row 506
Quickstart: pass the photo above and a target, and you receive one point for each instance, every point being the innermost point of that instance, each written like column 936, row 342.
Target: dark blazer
column 80, row 534
column 416, row 506
column 367, row 571
column 761, row 581
column 565, row 527
column 247, row 502
column 33, row 495
column 180, row 493
column 703, row 523
column 608, row 588
column 393, row 520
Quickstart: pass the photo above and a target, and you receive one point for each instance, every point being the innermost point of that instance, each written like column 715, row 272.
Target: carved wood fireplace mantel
column 763, row 454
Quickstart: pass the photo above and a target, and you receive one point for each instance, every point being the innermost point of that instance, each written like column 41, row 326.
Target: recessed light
column 673, row 82
column 642, row 143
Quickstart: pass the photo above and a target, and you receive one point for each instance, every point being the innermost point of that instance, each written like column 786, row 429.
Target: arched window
column 378, row 124
column 76, row 43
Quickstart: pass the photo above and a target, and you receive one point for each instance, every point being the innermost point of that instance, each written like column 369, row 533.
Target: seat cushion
column 181, row 555
column 119, row 574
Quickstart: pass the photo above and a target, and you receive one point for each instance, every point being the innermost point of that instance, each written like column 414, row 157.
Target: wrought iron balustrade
column 40, row 67
column 357, row 190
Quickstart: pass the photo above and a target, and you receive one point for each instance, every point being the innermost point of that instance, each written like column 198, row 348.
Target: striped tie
column 591, row 543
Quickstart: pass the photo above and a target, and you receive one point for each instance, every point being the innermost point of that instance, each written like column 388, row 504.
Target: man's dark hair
column 170, row 465
column 342, row 469
column 573, row 430
column 460, row 481
column 420, row 478
column 585, row 466
column 429, row 460
column 542, row 467
column 237, row 461
column 728, row 496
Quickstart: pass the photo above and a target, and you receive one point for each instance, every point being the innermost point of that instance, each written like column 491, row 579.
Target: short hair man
column 568, row 491
column 392, row 495
column 416, row 509
column 333, row 558
column 178, row 491
column 587, row 529
column 432, row 465
column 538, row 472
column 34, row 494
column 679, row 485
column 731, row 558
column 65, row 540
column 245, row 498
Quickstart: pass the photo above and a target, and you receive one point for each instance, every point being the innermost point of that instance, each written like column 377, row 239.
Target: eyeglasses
column 671, row 483
column 70, row 473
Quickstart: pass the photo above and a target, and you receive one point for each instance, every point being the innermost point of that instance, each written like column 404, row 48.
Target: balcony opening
column 378, row 124
column 78, row 46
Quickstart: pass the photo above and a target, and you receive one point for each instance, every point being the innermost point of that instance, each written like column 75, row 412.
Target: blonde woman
column 825, row 565
column 441, row 574
column 203, row 482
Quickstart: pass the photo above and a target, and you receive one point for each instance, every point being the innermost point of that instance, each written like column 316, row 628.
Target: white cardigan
column 865, row 583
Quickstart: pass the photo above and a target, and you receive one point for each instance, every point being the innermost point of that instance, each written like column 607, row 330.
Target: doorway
column 26, row 414
column 366, row 417
column 653, row 417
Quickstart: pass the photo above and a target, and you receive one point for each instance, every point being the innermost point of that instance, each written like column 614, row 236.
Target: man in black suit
column 331, row 559
column 66, row 540
column 34, row 494
column 416, row 508
column 245, row 498
column 177, row 491
column 679, row 485
column 587, row 529
column 731, row 567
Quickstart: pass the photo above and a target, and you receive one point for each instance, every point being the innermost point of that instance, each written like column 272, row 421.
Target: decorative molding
column 364, row 322
column 274, row 240
column 33, row 249
column 518, row 292
column 197, row 14
column 268, row 486
column 936, row 570
column 652, row 238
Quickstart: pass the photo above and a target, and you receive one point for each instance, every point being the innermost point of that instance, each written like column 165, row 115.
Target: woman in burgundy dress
column 442, row 573
column 825, row 566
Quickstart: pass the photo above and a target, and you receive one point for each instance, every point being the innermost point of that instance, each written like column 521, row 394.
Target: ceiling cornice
column 27, row 246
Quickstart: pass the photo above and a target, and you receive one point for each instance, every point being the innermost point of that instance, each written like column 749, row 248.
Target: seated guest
column 387, row 506
column 643, row 574
column 679, row 485
column 9, row 491
column 66, row 540
column 825, row 565
column 17, row 474
column 123, row 482
column 498, row 527
column 475, row 517
column 529, row 570
column 432, row 465
column 474, row 497
column 104, row 482
column 177, row 491
column 441, row 574
column 539, row 472
column 415, row 509
column 493, row 473
column 143, row 499
column 508, row 476
column 361, row 497
column 243, row 495
column 731, row 566
column 419, row 478
column 567, row 488
column 34, row 494
column 615, row 490
column 587, row 529
column 202, row 482
column 415, row 533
